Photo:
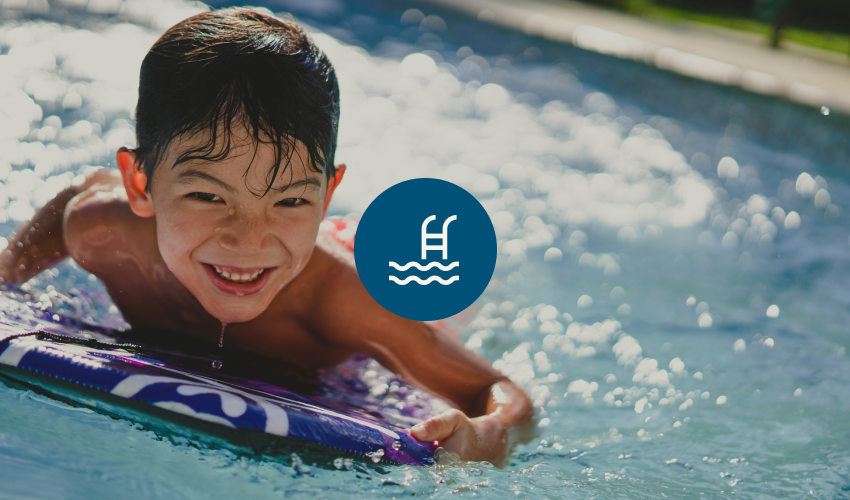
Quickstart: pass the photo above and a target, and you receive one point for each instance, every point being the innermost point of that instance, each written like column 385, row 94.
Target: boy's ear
column 332, row 185
column 135, row 182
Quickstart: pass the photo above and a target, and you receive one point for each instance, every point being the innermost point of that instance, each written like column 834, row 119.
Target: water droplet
column 221, row 339
column 338, row 463
column 217, row 364
column 396, row 445
column 824, row 111
column 376, row 455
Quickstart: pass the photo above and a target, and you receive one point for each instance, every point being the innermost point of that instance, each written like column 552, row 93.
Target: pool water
column 671, row 280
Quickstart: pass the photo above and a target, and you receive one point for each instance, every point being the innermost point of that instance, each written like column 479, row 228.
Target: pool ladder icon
column 442, row 247
column 444, row 236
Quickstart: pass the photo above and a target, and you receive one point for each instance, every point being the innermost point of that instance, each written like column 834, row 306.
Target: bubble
column 832, row 212
column 740, row 345
column 798, row 392
column 217, row 364
column 553, row 255
column 777, row 215
column 412, row 16
column 773, row 311
column 376, row 455
column 721, row 400
column 705, row 320
column 611, row 269
column 418, row 66
column 548, row 313
column 677, row 365
column 758, row 204
column 490, row 98
column 727, row 168
column 691, row 301
column 707, row 238
column 585, row 301
column 72, row 100
column 822, row 199
column 792, row 220
column 730, row 240
column 578, row 239
column 806, row 185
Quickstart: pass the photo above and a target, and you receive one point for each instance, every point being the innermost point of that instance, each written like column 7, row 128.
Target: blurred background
column 669, row 196
column 820, row 24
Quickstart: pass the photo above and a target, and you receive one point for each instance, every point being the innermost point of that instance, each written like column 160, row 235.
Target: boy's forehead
column 245, row 158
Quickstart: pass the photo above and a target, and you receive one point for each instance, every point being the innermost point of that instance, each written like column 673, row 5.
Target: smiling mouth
column 235, row 276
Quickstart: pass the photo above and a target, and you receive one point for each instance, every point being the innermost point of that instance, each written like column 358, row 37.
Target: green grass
column 833, row 42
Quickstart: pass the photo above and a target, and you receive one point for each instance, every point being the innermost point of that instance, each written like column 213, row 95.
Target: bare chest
column 279, row 333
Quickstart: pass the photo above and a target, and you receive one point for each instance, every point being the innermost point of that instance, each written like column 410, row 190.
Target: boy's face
column 232, row 249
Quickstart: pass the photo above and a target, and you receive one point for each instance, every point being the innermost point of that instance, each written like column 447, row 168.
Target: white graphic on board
column 442, row 247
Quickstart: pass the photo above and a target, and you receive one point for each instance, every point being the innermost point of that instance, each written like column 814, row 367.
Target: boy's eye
column 292, row 202
column 205, row 196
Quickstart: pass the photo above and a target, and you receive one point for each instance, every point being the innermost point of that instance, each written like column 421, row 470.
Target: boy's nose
column 246, row 233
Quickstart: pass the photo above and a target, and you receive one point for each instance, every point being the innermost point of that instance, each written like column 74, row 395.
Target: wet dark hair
column 237, row 66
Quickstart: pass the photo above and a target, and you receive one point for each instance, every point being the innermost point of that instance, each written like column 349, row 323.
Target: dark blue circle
column 391, row 231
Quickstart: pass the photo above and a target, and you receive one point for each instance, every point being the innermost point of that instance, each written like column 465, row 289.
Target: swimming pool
column 671, row 283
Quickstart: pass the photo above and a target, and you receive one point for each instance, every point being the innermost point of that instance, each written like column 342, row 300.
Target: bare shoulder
column 337, row 297
column 98, row 222
column 331, row 270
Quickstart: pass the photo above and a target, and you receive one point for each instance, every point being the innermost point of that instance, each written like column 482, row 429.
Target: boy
column 214, row 220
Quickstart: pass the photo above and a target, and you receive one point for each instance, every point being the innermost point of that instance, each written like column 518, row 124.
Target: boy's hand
column 477, row 439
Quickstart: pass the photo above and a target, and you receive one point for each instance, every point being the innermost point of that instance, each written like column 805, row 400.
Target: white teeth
column 236, row 277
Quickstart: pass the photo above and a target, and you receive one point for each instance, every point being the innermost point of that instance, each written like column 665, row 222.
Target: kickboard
column 122, row 380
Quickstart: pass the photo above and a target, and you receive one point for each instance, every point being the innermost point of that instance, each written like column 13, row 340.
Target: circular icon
column 425, row 249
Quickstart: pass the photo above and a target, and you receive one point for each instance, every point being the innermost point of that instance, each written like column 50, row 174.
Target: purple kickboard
column 228, row 401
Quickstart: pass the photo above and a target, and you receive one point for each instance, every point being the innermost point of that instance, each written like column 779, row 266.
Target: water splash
column 217, row 364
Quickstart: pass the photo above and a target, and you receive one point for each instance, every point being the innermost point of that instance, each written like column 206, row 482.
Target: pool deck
column 808, row 76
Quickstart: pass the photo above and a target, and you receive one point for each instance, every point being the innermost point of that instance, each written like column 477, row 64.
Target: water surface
column 670, row 288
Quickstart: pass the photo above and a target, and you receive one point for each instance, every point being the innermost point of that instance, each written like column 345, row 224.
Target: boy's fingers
column 439, row 427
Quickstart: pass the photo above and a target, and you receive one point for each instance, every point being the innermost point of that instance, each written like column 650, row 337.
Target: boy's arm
column 492, row 412
column 40, row 243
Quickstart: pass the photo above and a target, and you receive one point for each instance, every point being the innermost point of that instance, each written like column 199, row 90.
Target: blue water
column 670, row 288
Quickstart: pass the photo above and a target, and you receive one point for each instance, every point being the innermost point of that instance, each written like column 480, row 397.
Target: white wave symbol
column 427, row 281
column 428, row 267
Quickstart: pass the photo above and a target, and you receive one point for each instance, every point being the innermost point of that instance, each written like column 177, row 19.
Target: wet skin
column 298, row 298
